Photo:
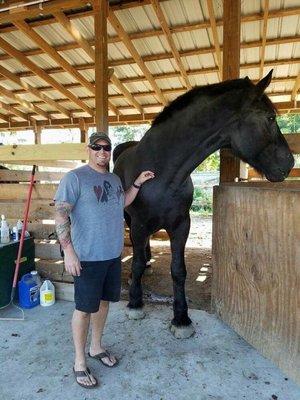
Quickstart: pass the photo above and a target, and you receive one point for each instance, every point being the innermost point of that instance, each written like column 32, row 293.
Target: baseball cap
column 99, row 136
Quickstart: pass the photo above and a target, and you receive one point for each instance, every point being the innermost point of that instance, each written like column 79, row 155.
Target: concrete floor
column 216, row 364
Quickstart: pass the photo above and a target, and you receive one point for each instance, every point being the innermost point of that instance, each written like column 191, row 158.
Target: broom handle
column 24, row 227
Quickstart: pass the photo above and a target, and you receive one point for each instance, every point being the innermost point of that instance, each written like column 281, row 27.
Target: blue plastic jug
column 29, row 294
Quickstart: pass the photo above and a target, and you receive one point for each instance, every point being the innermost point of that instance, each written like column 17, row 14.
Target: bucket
column 47, row 293
column 28, row 292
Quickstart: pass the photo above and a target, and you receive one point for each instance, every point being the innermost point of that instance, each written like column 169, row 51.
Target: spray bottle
column 4, row 230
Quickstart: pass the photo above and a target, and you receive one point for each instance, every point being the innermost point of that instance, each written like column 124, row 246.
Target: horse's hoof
column 148, row 271
column 182, row 332
column 135, row 313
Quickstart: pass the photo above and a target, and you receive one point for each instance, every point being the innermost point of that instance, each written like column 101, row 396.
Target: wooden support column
column 37, row 134
column 101, row 64
column 230, row 166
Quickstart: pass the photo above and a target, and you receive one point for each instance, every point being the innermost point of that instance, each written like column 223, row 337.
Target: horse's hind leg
column 181, row 325
column 135, row 306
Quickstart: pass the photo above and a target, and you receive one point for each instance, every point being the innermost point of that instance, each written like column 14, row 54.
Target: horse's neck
column 179, row 146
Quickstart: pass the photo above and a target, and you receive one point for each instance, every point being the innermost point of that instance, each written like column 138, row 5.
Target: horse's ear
column 264, row 83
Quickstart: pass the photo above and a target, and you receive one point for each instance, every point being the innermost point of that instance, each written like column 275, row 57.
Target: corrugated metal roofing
column 143, row 18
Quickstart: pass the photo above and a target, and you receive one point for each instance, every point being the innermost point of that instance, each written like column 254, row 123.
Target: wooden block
column 64, row 291
column 256, row 276
column 47, row 249
column 24, row 176
column 10, row 191
column 39, row 209
column 50, row 269
column 45, row 152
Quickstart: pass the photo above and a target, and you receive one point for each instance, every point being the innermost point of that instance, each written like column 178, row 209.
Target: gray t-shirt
column 97, row 225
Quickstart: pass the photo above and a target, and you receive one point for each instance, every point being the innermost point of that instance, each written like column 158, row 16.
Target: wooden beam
column 142, row 78
column 35, row 10
column 36, row 92
column 214, row 30
column 47, row 152
column 296, row 88
column 48, row 49
column 13, row 191
column 14, row 111
column 101, row 64
column 24, row 103
column 202, row 50
column 24, row 176
column 137, row 58
column 230, row 166
column 82, row 42
column 49, row 19
column 165, row 27
column 264, row 39
column 42, row 74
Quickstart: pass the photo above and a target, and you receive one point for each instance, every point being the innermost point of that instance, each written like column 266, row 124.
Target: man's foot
column 85, row 379
column 106, row 358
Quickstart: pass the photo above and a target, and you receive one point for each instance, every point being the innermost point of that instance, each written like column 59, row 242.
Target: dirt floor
column 158, row 286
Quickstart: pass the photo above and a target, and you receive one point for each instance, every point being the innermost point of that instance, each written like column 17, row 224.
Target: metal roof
column 191, row 31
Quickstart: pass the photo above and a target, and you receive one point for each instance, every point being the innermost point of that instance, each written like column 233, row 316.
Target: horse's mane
column 209, row 90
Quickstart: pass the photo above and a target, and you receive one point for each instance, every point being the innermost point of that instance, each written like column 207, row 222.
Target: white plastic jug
column 47, row 294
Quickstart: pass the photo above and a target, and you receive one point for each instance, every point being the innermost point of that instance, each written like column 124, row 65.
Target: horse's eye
column 271, row 118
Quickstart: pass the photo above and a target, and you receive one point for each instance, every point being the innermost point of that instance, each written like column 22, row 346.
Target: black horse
column 235, row 114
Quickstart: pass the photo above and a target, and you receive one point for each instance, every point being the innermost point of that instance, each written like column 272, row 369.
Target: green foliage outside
column 202, row 202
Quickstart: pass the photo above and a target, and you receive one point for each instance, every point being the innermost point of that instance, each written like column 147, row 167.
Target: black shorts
column 98, row 280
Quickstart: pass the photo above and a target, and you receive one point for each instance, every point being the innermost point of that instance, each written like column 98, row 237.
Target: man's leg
column 80, row 326
column 98, row 320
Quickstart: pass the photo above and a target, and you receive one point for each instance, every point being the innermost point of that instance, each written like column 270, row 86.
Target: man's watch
column 136, row 186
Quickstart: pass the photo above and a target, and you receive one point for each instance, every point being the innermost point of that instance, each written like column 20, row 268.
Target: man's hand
column 143, row 177
column 72, row 263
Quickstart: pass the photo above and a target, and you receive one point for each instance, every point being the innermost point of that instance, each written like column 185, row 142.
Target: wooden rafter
column 25, row 28
column 165, row 27
column 14, row 111
column 36, row 92
column 198, row 51
column 141, row 79
column 42, row 74
column 137, row 58
column 264, row 39
column 35, row 10
column 89, row 121
column 214, row 30
column 74, row 32
column 31, row 107
column 296, row 88
column 176, row 29
column 165, row 92
column 82, row 42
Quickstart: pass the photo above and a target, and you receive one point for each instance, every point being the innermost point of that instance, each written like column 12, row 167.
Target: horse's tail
column 122, row 147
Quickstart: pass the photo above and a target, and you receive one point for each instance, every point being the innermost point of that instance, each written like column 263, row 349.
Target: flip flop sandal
column 103, row 355
column 82, row 374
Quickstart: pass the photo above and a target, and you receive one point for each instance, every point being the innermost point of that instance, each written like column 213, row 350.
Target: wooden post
column 231, row 167
column 37, row 134
column 101, row 64
column 83, row 133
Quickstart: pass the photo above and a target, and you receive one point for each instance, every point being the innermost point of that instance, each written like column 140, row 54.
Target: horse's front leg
column 181, row 325
column 139, row 239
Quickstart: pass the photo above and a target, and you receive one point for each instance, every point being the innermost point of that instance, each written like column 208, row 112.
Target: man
column 89, row 207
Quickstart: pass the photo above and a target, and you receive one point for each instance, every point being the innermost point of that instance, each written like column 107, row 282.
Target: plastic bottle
column 36, row 277
column 47, row 293
column 28, row 291
column 19, row 226
column 15, row 234
column 4, row 230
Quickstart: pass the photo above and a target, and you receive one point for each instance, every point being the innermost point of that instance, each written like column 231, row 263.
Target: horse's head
column 258, row 139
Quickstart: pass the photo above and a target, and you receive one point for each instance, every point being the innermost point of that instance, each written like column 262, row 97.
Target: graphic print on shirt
column 98, row 192
column 107, row 194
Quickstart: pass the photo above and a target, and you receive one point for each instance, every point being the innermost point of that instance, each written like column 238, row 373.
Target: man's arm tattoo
column 62, row 223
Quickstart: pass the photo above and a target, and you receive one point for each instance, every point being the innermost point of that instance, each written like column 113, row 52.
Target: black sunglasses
column 98, row 147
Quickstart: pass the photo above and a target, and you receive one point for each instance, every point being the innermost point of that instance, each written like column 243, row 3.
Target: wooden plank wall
column 256, row 268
